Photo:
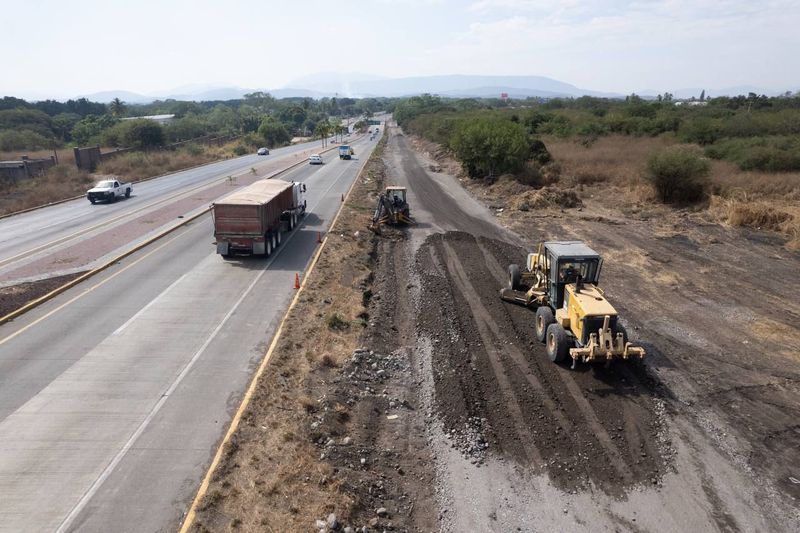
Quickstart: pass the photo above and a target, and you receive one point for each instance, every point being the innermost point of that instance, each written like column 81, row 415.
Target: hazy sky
column 65, row 48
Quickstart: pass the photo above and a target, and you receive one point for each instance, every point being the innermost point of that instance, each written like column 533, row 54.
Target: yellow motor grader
column 573, row 317
column 392, row 209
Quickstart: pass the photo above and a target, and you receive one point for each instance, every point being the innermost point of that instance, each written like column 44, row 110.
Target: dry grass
column 59, row 182
column 66, row 181
column 136, row 166
column 271, row 477
column 65, row 155
column 615, row 159
column 743, row 210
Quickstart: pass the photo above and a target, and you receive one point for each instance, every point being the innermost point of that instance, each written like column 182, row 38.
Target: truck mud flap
column 259, row 248
column 223, row 248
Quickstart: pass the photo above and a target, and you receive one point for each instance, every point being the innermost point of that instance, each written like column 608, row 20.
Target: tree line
column 259, row 116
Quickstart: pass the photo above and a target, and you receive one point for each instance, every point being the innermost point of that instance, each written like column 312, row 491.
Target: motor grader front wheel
column 514, row 277
column 557, row 344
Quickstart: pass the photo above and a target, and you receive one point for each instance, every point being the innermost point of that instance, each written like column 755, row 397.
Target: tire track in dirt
column 584, row 429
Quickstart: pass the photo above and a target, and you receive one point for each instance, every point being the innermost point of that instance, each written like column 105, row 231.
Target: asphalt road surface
column 115, row 394
column 32, row 236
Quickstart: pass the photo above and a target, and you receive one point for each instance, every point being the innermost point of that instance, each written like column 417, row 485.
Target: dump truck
column 345, row 152
column 573, row 317
column 392, row 208
column 250, row 221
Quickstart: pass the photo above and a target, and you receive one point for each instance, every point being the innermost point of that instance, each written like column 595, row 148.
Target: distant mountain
column 331, row 83
column 451, row 85
column 126, row 96
column 354, row 84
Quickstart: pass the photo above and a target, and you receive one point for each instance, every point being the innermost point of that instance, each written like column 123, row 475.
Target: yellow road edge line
column 58, row 290
column 234, row 425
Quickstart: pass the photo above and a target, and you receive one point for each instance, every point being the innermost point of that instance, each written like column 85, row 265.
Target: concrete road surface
column 115, row 394
column 28, row 239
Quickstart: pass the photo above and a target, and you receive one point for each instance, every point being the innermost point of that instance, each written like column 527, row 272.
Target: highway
column 115, row 394
column 33, row 236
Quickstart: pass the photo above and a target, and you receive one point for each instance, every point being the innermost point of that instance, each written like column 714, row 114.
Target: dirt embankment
column 332, row 437
column 709, row 302
column 595, row 427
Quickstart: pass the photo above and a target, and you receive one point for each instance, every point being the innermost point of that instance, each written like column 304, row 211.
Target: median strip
column 66, row 286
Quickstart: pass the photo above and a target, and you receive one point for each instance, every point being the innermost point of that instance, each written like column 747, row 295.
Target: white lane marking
column 89, row 494
column 146, row 307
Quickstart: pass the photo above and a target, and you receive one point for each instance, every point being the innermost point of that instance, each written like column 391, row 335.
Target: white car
column 315, row 159
column 263, row 151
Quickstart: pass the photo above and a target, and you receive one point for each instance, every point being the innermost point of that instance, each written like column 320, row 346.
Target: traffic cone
column 319, row 237
column 296, row 280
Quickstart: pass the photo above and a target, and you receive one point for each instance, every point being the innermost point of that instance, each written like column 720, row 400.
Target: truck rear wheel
column 557, row 345
column 277, row 238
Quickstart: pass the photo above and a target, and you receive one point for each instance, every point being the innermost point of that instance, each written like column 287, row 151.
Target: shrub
column 23, row 140
column 337, row 323
column 770, row 154
column 490, row 146
column 679, row 175
column 240, row 149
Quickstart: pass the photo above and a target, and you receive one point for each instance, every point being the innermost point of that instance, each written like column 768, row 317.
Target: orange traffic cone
column 319, row 237
column 296, row 280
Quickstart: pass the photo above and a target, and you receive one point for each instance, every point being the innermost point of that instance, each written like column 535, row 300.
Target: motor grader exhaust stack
column 392, row 209
column 573, row 317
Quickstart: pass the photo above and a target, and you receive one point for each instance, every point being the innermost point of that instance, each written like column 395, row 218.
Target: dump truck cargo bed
column 246, row 218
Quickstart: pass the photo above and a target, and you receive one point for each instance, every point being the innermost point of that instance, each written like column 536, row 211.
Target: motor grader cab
column 573, row 317
column 392, row 209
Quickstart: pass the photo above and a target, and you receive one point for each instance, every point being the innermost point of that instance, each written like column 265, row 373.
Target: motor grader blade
column 516, row 297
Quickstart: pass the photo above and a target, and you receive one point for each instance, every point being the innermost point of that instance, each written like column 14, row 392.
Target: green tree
column 88, row 130
column 273, row 132
column 117, row 108
column 490, row 146
column 142, row 134
column 322, row 131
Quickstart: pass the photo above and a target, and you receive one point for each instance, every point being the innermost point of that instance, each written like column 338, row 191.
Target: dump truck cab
column 573, row 317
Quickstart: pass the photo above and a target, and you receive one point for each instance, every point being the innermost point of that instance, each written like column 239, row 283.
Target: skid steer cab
column 573, row 317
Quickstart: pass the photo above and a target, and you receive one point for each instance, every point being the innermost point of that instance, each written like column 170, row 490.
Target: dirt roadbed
column 406, row 396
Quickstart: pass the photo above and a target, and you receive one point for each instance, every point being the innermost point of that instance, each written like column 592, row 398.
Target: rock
column 382, row 512
column 346, row 441
column 333, row 523
column 348, row 529
column 320, row 524
column 373, row 522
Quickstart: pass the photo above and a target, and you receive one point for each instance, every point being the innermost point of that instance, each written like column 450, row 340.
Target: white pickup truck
column 109, row 191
